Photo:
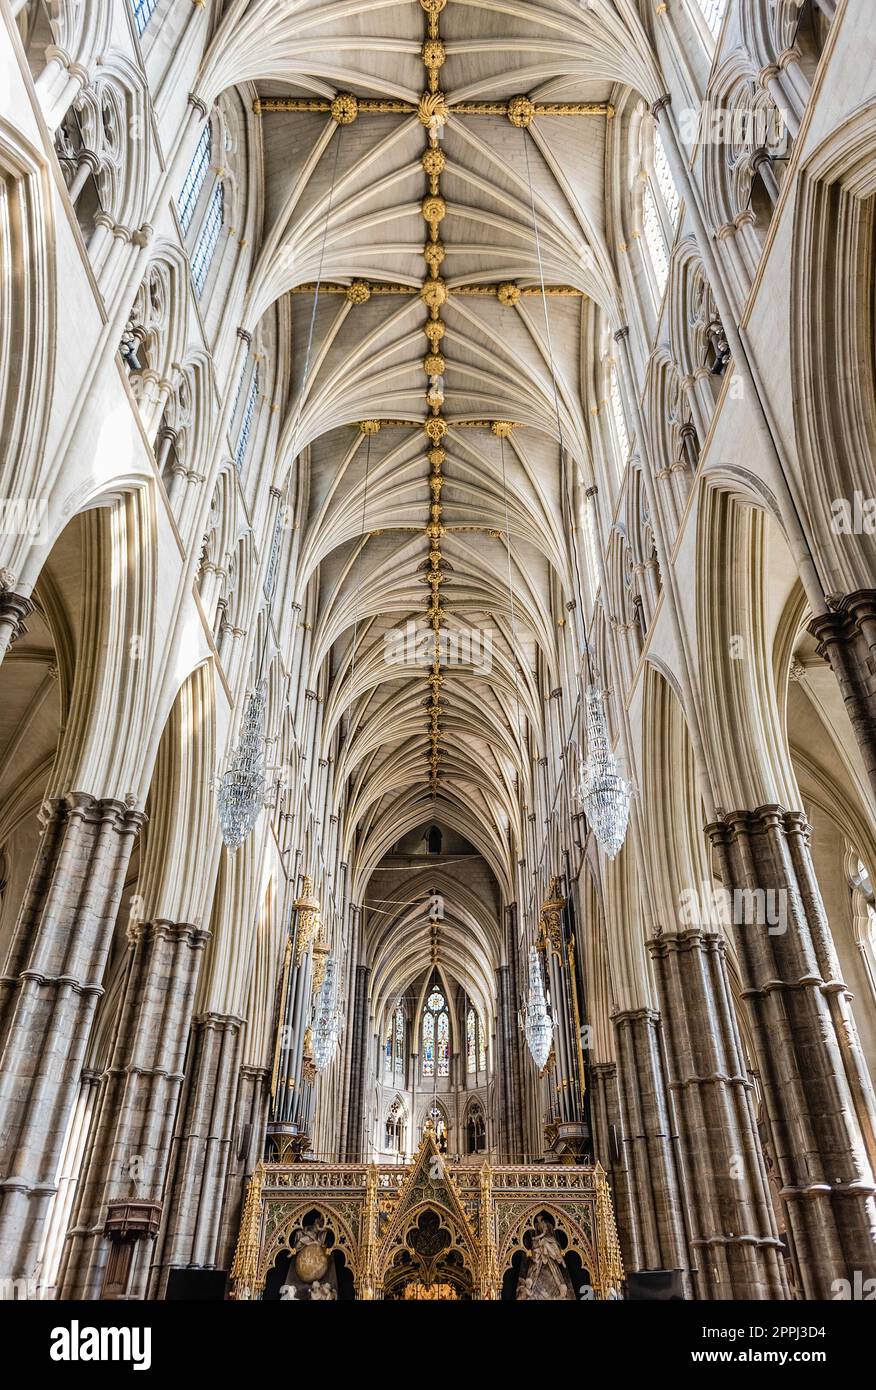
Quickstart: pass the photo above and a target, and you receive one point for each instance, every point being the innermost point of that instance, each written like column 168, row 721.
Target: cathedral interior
column 437, row 649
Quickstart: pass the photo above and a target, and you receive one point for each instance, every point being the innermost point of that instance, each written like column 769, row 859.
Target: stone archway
column 430, row 1262
column 551, row 1256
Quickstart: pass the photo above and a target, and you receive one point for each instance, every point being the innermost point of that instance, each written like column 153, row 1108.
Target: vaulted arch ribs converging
column 351, row 237
column 436, row 648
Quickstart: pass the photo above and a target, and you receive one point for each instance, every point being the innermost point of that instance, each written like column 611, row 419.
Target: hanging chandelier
column 241, row 794
column 327, row 1023
column 538, row 1025
column 603, row 793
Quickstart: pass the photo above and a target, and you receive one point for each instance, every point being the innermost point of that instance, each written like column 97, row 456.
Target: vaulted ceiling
column 429, row 164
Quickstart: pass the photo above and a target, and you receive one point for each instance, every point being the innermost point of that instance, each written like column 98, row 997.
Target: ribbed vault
column 430, row 165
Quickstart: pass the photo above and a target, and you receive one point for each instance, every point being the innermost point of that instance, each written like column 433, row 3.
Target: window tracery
column 205, row 249
column 436, row 1035
column 143, row 12
column 246, row 422
column 661, row 205
column 395, row 1127
column 713, row 12
column 475, row 1129
column 475, row 1043
column 195, row 178
column 394, row 1044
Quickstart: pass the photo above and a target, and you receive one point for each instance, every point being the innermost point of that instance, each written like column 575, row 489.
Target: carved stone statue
column 311, row 1255
column 322, row 1292
column 545, row 1277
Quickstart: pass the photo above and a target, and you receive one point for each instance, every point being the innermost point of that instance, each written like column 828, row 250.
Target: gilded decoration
column 434, row 54
column 436, row 428
column 430, row 1223
column 309, row 919
column 433, row 111
column 434, row 209
column 434, row 294
column 520, row 112
column 434, row 162
column 344, row 108
column 284, row 1227
column 550, row 923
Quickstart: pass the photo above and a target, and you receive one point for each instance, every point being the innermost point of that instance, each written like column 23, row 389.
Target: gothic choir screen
column 437, row 651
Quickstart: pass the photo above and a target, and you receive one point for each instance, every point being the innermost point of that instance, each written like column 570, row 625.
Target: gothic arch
column 697, row 346
column 576, row 1229
column 462, row 1237
column 27, row 316
column 109, row 119
column 737, row 541
column 672, row 790
column 833, row 358
column 280, row 1227
column 158, row 326
column 738, row 197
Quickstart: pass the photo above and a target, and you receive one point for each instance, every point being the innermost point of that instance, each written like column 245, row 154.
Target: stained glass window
column 470, row 1042
column 143, row 12
column 713, row 13
column 246, row 423
column 654, row 238
column 482, row 1047
column 659, row 186
column 436, row 1036
column 399, row 1041
column 617, row 411
column 194, row 181
column 443, row 1045
column 394, row 1043
column 664, row 179
column 429, row 1045
column 206, row 247
column 239, row 392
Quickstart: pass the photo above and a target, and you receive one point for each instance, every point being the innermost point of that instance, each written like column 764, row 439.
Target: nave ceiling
column 414, row 214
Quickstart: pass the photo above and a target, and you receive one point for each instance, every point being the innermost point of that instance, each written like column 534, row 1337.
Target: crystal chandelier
column 327, row 1023
column 241, row 792
column 538, row 1025
column 604, row 794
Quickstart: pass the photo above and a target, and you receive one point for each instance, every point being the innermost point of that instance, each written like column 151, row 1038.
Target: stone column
column 358, row 1067
column 52, row 979
column 201, row 1149
column 250, row 1120
column 129, row 1147
column 607, row 1149
column 816, row 1087
column 847, row 639
column 657, row 1236
column 14, row 609
column 734, row 1234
